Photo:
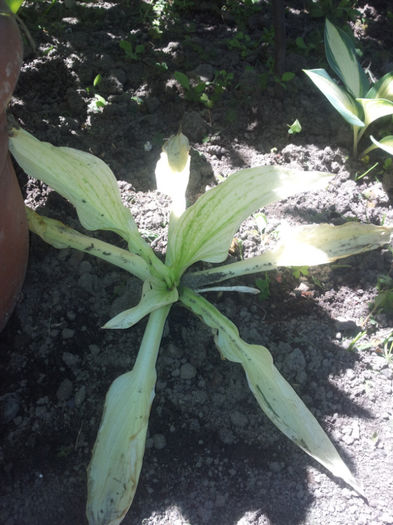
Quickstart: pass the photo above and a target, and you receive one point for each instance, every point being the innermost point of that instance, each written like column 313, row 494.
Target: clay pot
column 13, row 224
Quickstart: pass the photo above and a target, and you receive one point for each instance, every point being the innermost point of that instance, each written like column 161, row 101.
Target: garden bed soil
column 212, row 457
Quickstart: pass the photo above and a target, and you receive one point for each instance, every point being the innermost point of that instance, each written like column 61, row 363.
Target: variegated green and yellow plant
column 202, row 232
column 358, row 101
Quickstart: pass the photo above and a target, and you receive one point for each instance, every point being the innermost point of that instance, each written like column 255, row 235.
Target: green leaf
column 275, row 396
column 383, row 88
column 205, row 230
column 152, row 299
column 386, row 144
column 97, row 80
column 182, row 79
column 287, row 76
column 308, row 245
column 338, row 97
column 295, row 127
column 374, row 109
column 14, row 5
column 341, row 55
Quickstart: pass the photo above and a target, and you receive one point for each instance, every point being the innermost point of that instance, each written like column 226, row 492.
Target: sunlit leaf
column 206, row 228
column 374, row 109
column 307, row 245
column 14, row 5
column 383, row 88
column 341, row 55
column 337, row 96
column 173, row 171
column 386, row 143
column 85, row 180
column 113, row 472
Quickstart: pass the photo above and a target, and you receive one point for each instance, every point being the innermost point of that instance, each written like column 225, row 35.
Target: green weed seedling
column 384, row 300
column 263, row 285
column 358, row 101
column 132, row 52
column 341, row 9
column 300, row 271
column 294, row 128
column 201, row 232
column 194, row 91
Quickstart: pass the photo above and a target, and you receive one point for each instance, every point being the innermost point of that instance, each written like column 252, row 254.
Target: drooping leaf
column 207, row 227
column 152, row 299
column 341, row 55
column 274, row 395
column 61, row 236
column 346, row 105
column 113, row 472
column 308, row 245
column 383, row 88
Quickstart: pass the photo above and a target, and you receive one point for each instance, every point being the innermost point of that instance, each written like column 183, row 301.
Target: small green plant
column 132, row 52
column 263, row 285
column 294, row 128
column 358, row 102
column 305, row 48
column 300, row 271
column 332, row 8
column 243, row 43
column 387, row 348
column 202, row 232
column 384, row 300
column 194, row 91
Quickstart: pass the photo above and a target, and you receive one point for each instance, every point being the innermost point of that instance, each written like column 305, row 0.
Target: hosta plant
column 358, row 101
column 202, row 232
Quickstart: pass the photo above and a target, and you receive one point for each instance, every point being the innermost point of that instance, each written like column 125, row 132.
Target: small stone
column 68, row 333
column 275, row 466
column 70, row 359
column 64, row 391
column 80, row 396
column 9, row 407
column 94, row 349
column 159, row 441
column 239, row 419
column 187, row 371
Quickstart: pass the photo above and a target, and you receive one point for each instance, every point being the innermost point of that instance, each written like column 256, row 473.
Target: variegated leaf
column 152, row 299
column 85, row 180
column 307, row 245
column 206, row 228
column 113, row 473
column 274, row 395
column 383, row 88
column 61, row 236
column 341, row 55
column 344, row 103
